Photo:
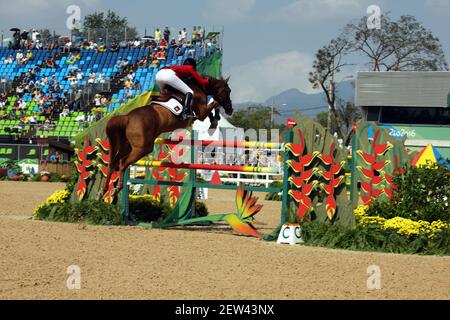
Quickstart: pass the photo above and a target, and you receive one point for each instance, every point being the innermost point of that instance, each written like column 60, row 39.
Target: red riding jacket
column 186, row 71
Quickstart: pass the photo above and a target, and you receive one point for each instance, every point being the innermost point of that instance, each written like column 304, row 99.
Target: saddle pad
column 173, row 105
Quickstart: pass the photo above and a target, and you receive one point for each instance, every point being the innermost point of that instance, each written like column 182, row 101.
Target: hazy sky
column 268, row 45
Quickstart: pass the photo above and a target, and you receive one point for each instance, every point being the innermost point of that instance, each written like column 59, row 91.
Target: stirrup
column 186, row 116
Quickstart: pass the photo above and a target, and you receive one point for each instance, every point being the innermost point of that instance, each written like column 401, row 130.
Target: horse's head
column 220, row 90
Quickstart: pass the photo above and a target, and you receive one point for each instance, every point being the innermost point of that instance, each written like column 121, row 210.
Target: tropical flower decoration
column 174, row 191
column 333, row 179
column 103, row 165
column 85, row 167
column 374, row 179
column 302, row 182
column 247, row 208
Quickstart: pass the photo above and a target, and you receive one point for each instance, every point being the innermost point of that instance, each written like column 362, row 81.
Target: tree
column 107, row 25
column 398, row 45
column 322, row 118
column 254, row 116
column 328, row 62
column 347, row 112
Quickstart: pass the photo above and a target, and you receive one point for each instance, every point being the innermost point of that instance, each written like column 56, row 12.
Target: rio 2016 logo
column 402, row 132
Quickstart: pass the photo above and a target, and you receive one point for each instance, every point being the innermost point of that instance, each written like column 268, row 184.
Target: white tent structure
column 203, row 132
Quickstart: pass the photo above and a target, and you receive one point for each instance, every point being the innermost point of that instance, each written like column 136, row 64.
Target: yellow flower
column 59, row 196
column 402, row 226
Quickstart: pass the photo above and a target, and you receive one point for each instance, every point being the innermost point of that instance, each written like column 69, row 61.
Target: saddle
column 173, row 103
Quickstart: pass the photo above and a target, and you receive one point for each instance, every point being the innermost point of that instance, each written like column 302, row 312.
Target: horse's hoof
column 214, row 124
column 229, row 112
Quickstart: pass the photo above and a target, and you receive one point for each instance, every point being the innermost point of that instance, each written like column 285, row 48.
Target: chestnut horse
column 132, row 136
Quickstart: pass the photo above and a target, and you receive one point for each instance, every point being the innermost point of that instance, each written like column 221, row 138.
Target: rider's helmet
column 191, row 62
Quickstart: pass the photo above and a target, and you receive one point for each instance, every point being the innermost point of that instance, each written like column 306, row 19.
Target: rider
column 174, row 75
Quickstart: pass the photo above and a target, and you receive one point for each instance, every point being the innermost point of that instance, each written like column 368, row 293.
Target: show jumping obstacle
column 185, row 208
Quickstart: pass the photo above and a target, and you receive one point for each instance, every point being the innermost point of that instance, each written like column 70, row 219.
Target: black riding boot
column 186, row 112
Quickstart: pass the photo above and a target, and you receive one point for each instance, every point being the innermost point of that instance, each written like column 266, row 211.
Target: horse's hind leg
column 136, row 154
column 120, row 148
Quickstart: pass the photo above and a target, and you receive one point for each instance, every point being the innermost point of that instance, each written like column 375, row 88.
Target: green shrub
column 274, row 196
column 94, row 212
column 422, row 193
column 373, row 238
column 147, row 208
column 200, row 209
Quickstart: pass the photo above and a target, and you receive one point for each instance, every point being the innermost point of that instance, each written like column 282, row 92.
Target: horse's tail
column 115, row 131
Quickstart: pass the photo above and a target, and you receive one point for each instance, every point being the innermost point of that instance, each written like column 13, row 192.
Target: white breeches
column 168, row 77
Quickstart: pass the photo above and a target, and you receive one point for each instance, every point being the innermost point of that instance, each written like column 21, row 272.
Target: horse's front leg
column 206, row 110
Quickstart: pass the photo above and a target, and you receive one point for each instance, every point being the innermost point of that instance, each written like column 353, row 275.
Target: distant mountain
column 292, row 100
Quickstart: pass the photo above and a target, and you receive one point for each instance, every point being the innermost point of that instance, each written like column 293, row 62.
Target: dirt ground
column 135, row 263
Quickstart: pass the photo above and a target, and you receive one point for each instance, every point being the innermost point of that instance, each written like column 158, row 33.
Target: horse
column 132, row 136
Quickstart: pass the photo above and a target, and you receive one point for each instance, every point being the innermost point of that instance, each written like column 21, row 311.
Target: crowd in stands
column 31, row 40
column 52, row 101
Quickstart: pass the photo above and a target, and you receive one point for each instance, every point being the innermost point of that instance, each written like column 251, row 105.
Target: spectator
column 194, row 35
column 19, row 56
column 97, row 100
column 162, row 55
column 22, row 105
column 8, row 60
column 178, row 52
column 50, row 63
column 128, row 94
column 137, row 85
column 34, row 35
column 65, row 111
column 131, row 75
column 28, row 55
column 136, row 43
column 32, row 119
column 163, row 44
column 114, row 47
column 183, row 35
column 166, row 34
column 73, row 83
column 142, row 63
column 67, row 46
column 101, row 78
column 200, row 33
column 77, row 101
column 80, row 118
column 91, row 78
column 19, row 90
column 23, row 38
column 157, row 35
column 80, row 75
column 37, row 45
column 91, row 117
column 128, row 83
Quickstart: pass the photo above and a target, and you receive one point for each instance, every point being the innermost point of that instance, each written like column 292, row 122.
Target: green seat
column 9, row 151
column 32, row 152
